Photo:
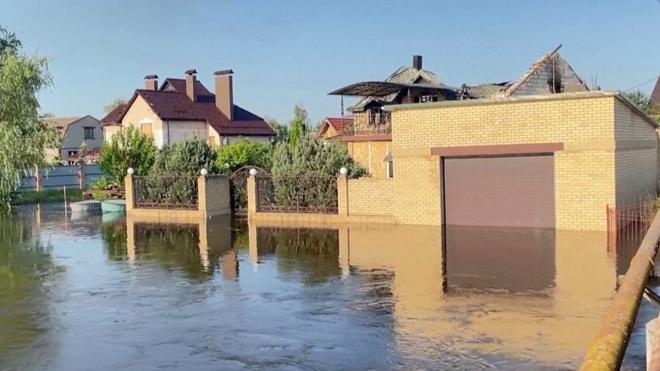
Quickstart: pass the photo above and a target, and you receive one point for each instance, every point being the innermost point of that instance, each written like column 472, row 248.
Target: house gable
column 549, row 75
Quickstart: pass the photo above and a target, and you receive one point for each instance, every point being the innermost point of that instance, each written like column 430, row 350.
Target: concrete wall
column 74, row 136
column 179, row 131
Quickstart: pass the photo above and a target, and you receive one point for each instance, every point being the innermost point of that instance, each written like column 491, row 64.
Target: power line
column 645, row 82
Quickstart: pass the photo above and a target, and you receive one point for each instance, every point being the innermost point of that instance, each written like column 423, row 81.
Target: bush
column 185, row 158
column 128, row 148
column 101, row 184
column 243, row 153
column 313, row 155
column 305, row 174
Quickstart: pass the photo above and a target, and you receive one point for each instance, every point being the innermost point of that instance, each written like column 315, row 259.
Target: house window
column 73, row 153
column 147, row 129
column 225, row 141
column 389, row 165
column 89, row 133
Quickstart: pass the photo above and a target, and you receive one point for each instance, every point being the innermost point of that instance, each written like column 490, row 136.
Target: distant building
column 185, row 108
column 73, row 133
column 332, row 128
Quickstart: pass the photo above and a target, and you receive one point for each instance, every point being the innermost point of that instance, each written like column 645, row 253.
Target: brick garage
column 604, row 153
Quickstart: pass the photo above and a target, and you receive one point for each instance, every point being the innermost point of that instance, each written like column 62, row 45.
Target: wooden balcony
column 370, row 123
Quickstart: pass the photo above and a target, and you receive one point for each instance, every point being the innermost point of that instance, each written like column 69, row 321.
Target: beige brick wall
column 370, row 155
column 585, row 177
column 370, row 196
column 636, row 156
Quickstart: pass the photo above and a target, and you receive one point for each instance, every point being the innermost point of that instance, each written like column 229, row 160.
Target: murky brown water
column 94, row 293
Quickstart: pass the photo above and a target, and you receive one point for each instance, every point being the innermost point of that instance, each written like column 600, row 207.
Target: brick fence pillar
column 201, row 196
column 37, row 174
column 342, row 195
column 252, row 195
column 81, row 176
column 129, row 193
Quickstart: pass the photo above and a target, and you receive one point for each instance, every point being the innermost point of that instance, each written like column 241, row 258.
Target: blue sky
column 286, row 52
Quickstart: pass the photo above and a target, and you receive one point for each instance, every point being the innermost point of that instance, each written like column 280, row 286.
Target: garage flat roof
column 523, row 99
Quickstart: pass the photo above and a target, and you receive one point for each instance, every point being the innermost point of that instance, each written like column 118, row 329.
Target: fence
column 60, row 177
column 304, row 193
column 627, row 224
column 165, row 192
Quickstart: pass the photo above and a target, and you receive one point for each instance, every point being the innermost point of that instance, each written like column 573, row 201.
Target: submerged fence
column 60, row 177
column 627, row 223
column 165, row 191
column 304, row 193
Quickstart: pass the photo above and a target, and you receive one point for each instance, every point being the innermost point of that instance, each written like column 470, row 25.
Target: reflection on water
column 228, row 295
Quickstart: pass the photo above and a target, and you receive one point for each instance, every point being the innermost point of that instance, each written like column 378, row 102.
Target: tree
column 299, row 125
column 185, row 158
column 643, row 102
column 241, row 153
column 128, row 148
column 305, row 174
column 281, row 131
column 114, row 104
column 8, row 41
column 23, row 137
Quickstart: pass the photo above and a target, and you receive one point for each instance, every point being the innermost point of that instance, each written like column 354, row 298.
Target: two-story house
column 185, row 108
column 75, row 133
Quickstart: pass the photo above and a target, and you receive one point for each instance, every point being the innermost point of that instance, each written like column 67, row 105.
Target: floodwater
column 93, row 292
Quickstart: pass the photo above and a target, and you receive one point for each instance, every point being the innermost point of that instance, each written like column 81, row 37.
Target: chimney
column 151, row 82
column 224, row 93
column 417, row 62
column 190, row 84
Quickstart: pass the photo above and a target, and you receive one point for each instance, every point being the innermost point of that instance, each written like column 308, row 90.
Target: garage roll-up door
column 500, row 191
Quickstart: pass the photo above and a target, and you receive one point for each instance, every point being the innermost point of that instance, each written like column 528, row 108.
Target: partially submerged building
column 543, row 151
column 185, row 108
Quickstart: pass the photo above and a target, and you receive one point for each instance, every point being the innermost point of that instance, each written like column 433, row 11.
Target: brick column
column 201, row 196
column 342, row 195
column 128, row 188
column 252, row 195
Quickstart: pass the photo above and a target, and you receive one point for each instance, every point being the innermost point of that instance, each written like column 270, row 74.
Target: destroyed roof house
column 551, row 74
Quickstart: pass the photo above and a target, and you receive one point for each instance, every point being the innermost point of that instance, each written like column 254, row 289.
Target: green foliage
column 299, row 125
column 173, row 177
column 128, row 148
column 305, row 175
column 23, row 137
column 313, row 155
column 281, row 131
column 243, row 153
column 101, row 184
column 643, row 102
column 185, row 158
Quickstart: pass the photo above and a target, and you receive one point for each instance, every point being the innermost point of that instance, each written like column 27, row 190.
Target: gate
column 238, row 188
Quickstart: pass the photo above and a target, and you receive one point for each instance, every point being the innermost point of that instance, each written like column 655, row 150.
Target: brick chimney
column 224, row 93
column 151, row 82
column 190, row 84
column 417, row 62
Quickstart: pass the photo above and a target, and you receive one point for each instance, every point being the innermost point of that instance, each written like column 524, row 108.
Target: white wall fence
column 60, row 177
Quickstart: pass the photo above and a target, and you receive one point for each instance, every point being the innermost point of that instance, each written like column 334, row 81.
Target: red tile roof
column 339, row 122
column 172, row 103
column 114, row 117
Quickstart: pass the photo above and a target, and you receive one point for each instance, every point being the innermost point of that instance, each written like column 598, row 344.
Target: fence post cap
column 130, row 171
column 253, row 172
column 204, row 172
column 343, row 171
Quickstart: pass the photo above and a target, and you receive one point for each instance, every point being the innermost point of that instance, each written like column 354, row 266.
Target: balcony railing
column 370, row 123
